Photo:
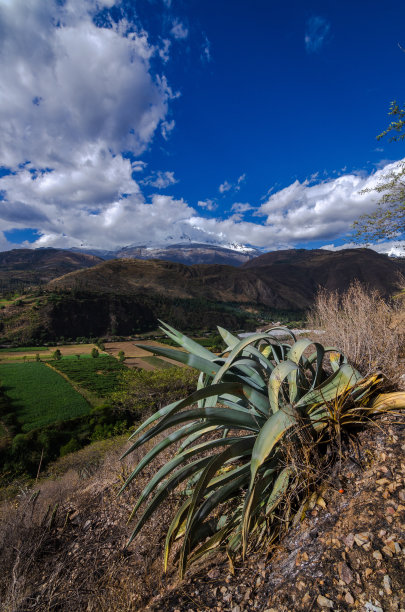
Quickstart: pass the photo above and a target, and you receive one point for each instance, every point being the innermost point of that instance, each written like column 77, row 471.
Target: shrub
column 71, row 447
column 260, row 411
column 57, row 355
column 142, row 391
column 362, row 325
column 94, row 352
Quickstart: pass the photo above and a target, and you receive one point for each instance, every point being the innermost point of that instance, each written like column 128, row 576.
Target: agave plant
column 230, row 465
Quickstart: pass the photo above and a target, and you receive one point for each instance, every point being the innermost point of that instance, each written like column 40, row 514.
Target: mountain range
column 85, row 295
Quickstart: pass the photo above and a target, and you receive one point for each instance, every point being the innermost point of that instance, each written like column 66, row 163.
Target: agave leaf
column 332, row 387
column 236, row 419
column 273, row 351
column 194, row 361
column 173, row 437
column 388, row 401
column 279, row 374
column 166, row 412
column 203, row 429
column 163, row 492
column 287, row 331
column 262, row 359
column 230, row 340
column 177, row 460
column 175, row 525
column 239, row 348
column 298, row 385
column 211, row 544
column 225, row 493
column 279, row 489
column 239, row 446
column 190, row 345
column 253, row 501
column 248, row 367
column 272, row 431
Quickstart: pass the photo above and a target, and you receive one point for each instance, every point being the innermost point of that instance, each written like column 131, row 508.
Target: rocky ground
column 63, row 550
column 347, row 556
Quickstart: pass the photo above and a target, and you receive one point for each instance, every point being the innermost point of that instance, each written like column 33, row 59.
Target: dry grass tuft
column 364, row 327
column 62, row 541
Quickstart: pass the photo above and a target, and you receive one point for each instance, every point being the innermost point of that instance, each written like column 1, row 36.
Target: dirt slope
column 347, row 556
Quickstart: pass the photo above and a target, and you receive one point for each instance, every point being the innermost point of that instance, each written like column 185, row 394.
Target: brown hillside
column 35, row 266
column 285, row 279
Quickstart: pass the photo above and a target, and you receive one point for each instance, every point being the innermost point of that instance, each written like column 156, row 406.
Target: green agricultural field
column 99, row 375
column 39, row 395
column 25, row 349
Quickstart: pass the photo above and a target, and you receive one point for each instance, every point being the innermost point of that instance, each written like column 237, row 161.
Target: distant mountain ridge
column 39, row 266
column 187, row 252
column 281, row 279
column 99, row 298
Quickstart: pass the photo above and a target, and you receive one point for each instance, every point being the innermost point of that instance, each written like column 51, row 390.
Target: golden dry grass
column 366, row 328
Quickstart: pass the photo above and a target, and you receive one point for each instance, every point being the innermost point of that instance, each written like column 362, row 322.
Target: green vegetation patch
column 25, row 349
column 100, row 375
column 39, row 395
column 160, row 364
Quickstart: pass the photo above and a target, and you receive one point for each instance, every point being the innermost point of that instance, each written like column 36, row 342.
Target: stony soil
column 63, row 551
column 348, row 556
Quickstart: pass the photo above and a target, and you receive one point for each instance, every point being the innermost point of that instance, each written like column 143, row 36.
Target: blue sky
column 150, row 121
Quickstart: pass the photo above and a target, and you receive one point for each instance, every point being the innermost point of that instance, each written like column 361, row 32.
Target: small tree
column 388, row 221
column 94, row 352
column 57, row 355
column 37, row 357
column 121, row 356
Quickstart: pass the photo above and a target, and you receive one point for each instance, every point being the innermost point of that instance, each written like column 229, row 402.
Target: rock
column 345, row 573
column 382, row 481
column 377, row 555
column 372, row 607
column 324, row 602
column 349, row 540
column 214, row 573
column 349, row 598
column 387, row 584
column 361, row 538
column 391, row 545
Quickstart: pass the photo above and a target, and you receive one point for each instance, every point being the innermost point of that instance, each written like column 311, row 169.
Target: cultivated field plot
column 45, row 352
column 100, row 375
column 40, row 395
column 135, row 357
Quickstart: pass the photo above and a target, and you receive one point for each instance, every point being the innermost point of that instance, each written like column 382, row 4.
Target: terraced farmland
column 99, row 375
column 39, row 395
